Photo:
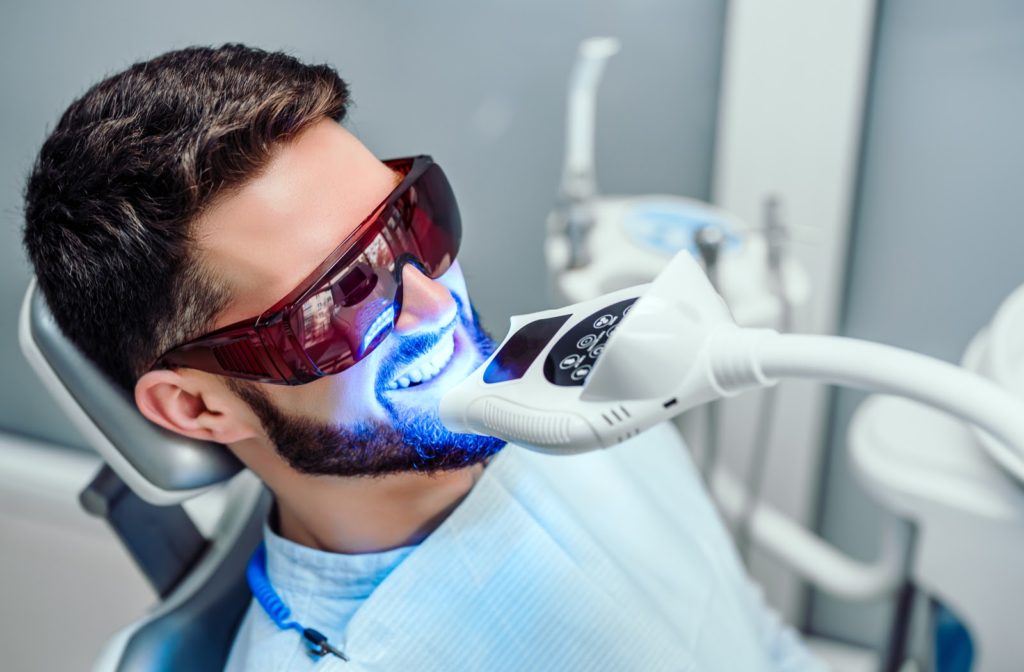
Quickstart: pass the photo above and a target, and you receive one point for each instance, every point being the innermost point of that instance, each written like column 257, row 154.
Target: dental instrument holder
column 575, row 221
column 776, row 236
column 678, row 347
column 709, row 240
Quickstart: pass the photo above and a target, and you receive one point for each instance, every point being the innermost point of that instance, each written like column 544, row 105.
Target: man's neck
column 365, row 515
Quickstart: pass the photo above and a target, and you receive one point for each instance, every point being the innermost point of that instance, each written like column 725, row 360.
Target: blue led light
column 382, row 322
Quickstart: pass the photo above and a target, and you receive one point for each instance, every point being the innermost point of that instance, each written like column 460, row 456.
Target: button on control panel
column 572, row 358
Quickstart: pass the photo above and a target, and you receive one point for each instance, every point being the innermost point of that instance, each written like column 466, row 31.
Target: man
column 206, row 231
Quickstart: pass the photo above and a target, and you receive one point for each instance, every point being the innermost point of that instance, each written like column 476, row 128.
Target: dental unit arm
column 601, row 371
column 579, row 179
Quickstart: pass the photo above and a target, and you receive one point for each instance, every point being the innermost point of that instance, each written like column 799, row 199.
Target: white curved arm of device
column 881, row 368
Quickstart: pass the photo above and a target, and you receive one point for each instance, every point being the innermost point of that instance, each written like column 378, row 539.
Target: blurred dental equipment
column 599, row 372
column 627, row 241
column 933, row 471
column 598, row 244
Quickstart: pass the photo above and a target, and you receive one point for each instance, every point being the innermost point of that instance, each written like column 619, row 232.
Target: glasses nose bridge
column 405, row 259
column 423, row 302
column 397, row 274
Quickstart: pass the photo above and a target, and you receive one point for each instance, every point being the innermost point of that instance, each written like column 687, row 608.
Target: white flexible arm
column 679, row 341
column 744, row 358
column 880, row 368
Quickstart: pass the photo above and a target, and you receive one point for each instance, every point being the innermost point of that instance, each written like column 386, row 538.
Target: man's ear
column 187, row 406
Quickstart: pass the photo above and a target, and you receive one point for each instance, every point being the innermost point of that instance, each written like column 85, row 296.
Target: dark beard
column 412, row 442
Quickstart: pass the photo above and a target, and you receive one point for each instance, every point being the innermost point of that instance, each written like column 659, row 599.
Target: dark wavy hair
column 112, row 200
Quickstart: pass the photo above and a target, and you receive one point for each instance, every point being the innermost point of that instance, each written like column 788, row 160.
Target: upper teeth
column 427, row 366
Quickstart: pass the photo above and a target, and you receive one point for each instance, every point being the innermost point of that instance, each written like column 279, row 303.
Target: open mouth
column 427, row 367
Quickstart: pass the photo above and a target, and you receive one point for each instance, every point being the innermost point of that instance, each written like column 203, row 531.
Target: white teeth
column 428, row 367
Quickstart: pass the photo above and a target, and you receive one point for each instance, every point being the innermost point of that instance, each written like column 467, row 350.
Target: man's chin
column 435, row 446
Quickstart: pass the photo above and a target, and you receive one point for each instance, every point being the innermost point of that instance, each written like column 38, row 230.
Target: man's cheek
column 342, row 398
column 455, row 282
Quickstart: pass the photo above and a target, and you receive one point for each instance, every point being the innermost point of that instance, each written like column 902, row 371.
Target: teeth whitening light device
column 599, row 372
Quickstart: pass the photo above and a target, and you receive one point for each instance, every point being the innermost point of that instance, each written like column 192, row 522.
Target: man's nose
column 426, row 304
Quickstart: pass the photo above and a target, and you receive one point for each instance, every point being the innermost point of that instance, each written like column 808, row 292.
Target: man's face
column 373, row 418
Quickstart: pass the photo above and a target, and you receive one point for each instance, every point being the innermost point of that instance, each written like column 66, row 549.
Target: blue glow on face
column 383, row 321
column 414, row 439
column 422, row 432
column 408, row 351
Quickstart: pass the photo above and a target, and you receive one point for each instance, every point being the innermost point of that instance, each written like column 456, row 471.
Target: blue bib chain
column 279, row 613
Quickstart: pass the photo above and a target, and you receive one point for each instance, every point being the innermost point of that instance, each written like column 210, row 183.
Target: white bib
column 611, row 560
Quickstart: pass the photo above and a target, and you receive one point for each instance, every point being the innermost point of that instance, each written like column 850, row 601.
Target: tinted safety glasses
column 350, row 303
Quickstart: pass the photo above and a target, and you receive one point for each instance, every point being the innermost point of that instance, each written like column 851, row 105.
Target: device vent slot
column 618, row 417
column 240, row 358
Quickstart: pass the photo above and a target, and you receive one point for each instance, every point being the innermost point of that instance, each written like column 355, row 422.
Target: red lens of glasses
column 354, row 306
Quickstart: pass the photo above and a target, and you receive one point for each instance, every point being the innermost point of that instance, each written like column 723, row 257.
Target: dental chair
column 150, row 472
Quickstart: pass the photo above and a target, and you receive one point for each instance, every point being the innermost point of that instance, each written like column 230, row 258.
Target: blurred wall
column 481, row 86
column 938, row 233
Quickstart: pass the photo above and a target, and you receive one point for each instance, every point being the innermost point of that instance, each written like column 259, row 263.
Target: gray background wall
column 938, row 228
column 481, row 86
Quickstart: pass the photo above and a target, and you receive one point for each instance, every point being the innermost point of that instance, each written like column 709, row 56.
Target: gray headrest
column 160, row 466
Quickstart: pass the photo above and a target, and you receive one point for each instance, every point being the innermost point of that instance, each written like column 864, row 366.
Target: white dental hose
column 578, row 179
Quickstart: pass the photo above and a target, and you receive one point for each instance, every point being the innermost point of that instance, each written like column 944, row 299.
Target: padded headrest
column 160, row 466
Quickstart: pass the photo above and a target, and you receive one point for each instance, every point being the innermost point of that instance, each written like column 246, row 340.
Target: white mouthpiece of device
column 601, row 371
